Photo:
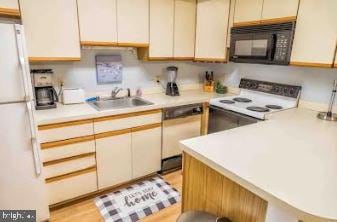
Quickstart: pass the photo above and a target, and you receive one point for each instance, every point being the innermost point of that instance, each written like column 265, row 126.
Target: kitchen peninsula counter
column 289, row 160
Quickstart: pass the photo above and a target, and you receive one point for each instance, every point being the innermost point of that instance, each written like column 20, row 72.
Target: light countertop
column 289, row 160
column 65, row 113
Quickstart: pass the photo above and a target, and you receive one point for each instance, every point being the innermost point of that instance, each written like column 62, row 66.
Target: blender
column 172, row 88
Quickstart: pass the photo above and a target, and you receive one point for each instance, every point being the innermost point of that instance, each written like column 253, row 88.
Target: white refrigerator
column 22, row 185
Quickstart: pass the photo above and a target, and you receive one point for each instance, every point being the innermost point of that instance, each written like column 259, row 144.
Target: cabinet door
column 283, row 10
column 98, row 22
column 161, row 29
column 211, row 30
column 248, row 12
column 184, row 29
column 9, row 8
column 230, row 22
column 133, row 22
column 113, row 156
column 146, row 152
column 51, row 29
column 316, row 32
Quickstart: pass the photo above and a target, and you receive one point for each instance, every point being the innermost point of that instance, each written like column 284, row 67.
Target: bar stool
column 199, row 216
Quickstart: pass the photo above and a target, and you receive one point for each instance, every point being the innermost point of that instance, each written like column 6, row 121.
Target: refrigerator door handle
column 28, row 96
column 35, row 142
column 23, row 64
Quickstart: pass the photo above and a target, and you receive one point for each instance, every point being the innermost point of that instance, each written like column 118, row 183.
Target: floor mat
column 137, row 201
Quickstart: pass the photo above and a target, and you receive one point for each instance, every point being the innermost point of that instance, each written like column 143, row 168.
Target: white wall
column 135, row 73
column 316, row 82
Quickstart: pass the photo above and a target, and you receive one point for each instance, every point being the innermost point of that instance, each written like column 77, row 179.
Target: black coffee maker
column 172, row 88
column 45, row 94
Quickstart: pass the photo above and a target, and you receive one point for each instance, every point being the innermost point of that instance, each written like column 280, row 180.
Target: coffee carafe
column 45, row 94
column 172, row 88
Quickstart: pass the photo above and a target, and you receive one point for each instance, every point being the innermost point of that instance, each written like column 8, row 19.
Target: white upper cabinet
column 184, row 29
column 274, row 9
column 9, row 4
column 248, row 11
column 51, row 29
column 9, row 8
column 133, row 22
column 98, row 22
column 211, row 30
column 316, row 34
column 161, row 29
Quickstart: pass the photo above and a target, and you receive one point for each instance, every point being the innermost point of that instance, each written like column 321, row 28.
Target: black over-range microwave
column 266, row 44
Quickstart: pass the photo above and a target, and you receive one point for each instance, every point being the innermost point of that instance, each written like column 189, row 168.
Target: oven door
column 253, row 48
column 221, row 119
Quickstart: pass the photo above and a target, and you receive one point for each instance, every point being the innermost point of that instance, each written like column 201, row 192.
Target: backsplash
column 316, row 82
column 135, row 73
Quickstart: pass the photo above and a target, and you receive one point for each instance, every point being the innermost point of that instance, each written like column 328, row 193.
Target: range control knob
column 248, row 85
column 197, row 110
column 292, row 92
column 285, row 91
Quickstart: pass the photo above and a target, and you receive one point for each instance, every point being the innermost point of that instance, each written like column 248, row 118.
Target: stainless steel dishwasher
column 179, row 123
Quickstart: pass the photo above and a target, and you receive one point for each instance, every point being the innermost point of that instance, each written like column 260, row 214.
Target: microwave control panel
column 282, row 47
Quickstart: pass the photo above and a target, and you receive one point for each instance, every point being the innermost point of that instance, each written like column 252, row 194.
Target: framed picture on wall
column 109, row 69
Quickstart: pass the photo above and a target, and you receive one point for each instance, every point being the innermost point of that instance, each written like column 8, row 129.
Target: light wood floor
column 86, row 211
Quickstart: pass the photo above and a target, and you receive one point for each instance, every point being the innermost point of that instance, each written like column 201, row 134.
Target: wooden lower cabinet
column 146, row 152
column 207, row 190
column 113, row 155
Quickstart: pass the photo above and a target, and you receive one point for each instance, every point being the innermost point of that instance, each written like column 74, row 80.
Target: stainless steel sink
column 119, row 103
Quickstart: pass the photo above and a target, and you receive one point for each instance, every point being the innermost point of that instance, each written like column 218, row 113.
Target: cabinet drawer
column 63, row 149
column 73, row 185
column 68, row 165
column 126, row 121
column 63, row 131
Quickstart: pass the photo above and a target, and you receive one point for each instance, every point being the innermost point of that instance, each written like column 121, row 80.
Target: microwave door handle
column 273, row 40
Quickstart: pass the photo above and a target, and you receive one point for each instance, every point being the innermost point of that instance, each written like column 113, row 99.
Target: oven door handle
column 232, row 113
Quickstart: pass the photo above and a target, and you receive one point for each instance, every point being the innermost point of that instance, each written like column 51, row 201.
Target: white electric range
column 255, row 101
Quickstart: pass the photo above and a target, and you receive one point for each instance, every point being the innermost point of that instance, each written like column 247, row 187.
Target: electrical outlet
column 157, row 79
column 60, row 82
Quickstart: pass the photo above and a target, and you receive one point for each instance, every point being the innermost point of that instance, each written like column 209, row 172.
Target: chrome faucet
column 129, row 92
column 115, row 91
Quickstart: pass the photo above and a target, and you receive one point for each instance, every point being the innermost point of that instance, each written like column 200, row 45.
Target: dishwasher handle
column 182, row 111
